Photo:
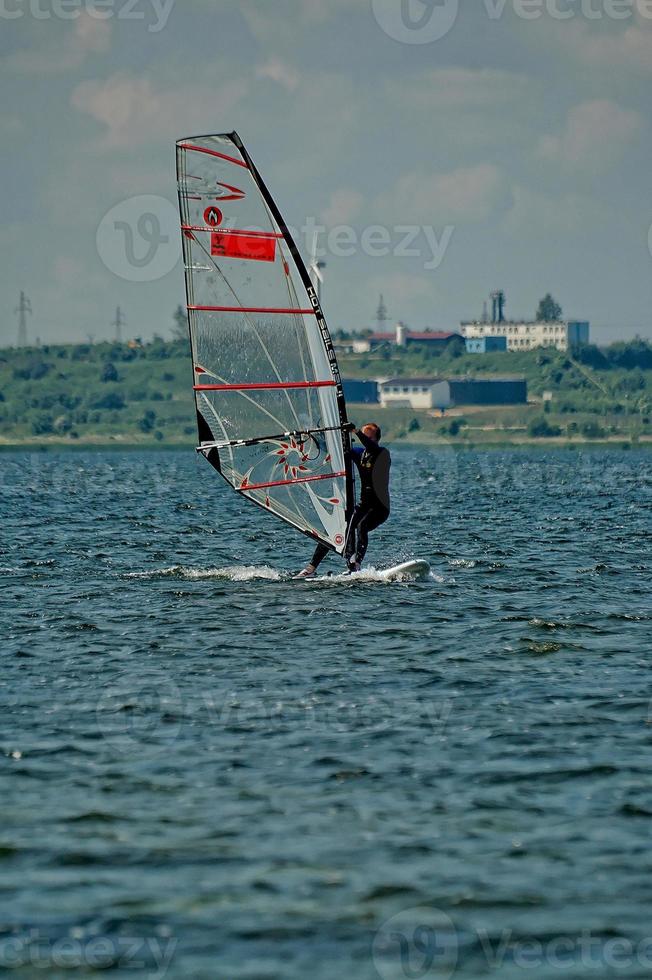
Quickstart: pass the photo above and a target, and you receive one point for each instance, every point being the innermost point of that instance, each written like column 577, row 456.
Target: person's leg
column 320, row 553
column 369, row 522
column 352, row 533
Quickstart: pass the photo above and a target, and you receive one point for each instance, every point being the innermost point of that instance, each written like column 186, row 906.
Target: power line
column 118, row 323
column 381, row 314
column 24, row 307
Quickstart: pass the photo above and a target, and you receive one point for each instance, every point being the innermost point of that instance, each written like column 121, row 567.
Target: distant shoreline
column 416, row 439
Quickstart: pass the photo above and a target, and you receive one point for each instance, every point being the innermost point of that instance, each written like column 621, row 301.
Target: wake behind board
column 408, row 569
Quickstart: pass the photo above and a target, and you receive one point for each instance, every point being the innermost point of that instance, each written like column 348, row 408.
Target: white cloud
column 134, row 110
column 280, row 72
column 270, row 22
column 628, row 47
column 91, row 34
column 536, row 214
column 67, row 271
column 343, row 207
column 455, row 88
column 85, row 36
column 596, row 135
column 468, row 194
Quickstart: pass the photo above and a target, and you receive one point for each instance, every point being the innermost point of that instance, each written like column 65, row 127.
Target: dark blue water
column 209, row 771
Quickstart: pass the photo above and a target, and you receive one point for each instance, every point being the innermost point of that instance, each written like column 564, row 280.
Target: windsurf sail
column 270, row 406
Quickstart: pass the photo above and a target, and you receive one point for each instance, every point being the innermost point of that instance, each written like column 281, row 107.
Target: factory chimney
column 498, row 306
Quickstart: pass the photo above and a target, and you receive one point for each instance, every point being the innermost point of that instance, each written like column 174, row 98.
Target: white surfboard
column 417, row 568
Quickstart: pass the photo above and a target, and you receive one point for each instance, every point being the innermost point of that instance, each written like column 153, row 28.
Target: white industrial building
column 528, row 335
column 407, row 392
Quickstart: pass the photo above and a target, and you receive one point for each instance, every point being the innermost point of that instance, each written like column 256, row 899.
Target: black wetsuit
column 373, row 462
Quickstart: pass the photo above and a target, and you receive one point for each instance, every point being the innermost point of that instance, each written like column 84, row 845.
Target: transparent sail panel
column 296, row 477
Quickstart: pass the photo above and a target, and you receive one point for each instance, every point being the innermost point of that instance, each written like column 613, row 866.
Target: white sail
column 270, row 406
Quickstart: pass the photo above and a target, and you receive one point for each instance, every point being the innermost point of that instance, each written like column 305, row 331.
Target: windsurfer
column 373, row 462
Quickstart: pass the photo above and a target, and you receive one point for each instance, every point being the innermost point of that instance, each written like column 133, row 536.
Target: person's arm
column 356, row 455
column 370, row 445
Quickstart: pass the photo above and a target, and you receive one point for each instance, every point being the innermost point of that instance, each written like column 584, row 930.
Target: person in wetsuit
column 373, row 462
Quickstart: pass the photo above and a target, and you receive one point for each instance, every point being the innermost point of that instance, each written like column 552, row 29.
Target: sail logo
column 213, row 217
column 229, row 193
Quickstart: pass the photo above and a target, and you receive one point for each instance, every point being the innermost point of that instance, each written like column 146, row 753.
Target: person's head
column 372, row 431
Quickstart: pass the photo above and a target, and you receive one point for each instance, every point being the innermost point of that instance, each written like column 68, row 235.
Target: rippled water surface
column 210, row 771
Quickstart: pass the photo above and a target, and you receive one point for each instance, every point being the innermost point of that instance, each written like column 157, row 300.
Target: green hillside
column 603, row 394
column 100, row 393
column 116, row 393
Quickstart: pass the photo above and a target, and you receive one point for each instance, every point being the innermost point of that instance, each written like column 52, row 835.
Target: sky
column 437, row 150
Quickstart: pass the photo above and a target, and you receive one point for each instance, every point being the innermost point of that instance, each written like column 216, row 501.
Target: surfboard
column 417, row 568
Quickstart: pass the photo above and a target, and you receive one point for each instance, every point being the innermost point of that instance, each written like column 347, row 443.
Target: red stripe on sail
column 234, row 231
column 264, row 386
column 249, row 309
column 285, row 483
column 212, row 153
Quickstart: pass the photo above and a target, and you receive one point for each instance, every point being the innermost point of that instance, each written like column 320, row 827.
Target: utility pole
column 381, row 314
column 24, row 307
column 118, row 323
